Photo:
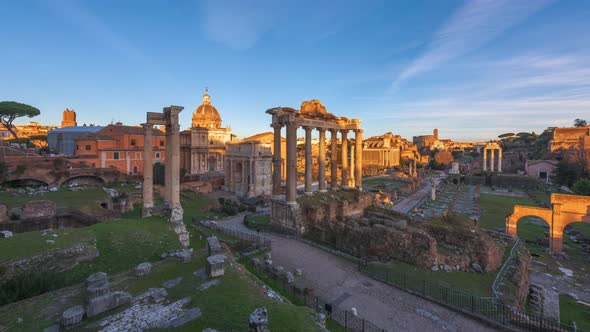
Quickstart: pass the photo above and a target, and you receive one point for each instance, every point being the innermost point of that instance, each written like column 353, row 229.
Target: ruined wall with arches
column 565, row 210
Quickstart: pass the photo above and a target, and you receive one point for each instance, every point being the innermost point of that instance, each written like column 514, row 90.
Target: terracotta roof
column 127, row 130
column 534, row 162
column 267, row 136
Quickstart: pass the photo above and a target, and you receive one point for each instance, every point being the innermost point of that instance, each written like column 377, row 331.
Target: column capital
column 344, row 131
column 333, row 131
column 276, row 125
column 358, row 131
column 147, row 125
column 321, row 129
column 307, row 129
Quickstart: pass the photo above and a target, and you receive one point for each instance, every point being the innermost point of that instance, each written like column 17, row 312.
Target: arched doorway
column 576, row 240
column 535, row 233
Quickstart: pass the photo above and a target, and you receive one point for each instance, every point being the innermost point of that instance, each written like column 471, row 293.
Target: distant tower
column 69, row 118
column 435, row 134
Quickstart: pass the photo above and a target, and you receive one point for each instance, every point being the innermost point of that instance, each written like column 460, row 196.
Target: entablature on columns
column 283, row 116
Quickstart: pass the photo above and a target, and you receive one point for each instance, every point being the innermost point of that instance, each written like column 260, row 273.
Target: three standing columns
column 492, row 157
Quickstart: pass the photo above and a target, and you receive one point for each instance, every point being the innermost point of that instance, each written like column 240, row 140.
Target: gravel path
column 337, row 280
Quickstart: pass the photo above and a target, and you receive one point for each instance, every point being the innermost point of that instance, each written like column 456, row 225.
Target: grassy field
column 225, row 307
column 474, row 283
column 570, row 311
column 385, row 182
column 257, row 221
column 494, row 209
column 86, row 200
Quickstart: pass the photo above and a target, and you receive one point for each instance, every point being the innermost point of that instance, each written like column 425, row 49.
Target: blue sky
column 474, row 69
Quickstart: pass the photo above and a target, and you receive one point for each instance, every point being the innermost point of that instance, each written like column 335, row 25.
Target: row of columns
column 492, row 154
column 291, row 183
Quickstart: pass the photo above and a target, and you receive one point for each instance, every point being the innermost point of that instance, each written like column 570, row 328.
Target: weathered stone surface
column 96, row 279
column 258, row 320
column 213, row 246
column 5, row 234
column 143, row 269
column 72, row 316
column 172, row 282
column 299, row 272
column 52, row 328
column 56, row 260
column 290, row 278
column 185, row 255
column 184, row 318
column 215, row 265
column 201, row 273
column 177, row 221
column 38, row 209
column 210, row 283
column 476, row 267
column 155, row 294
column 3, row 213
column 106, row 302
column 97, row 285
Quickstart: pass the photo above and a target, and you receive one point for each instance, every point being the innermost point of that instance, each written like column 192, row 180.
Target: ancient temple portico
column 492, row 148
column 312, row 116
column 168, row 118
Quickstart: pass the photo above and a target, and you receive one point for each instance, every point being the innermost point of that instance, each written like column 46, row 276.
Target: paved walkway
column 337, row 280
column 407, row 204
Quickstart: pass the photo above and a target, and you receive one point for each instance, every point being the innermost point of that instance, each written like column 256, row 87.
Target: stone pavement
column 337, row 280
column 407, row 204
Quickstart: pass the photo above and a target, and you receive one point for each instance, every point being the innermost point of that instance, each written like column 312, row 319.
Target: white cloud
column 473, row 25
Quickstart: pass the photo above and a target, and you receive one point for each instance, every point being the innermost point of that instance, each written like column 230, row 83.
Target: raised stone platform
column 287, row 215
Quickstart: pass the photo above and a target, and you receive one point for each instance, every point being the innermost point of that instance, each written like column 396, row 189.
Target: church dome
column 206, row 115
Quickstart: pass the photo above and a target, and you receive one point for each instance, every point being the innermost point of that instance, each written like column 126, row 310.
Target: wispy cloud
column 473, row 25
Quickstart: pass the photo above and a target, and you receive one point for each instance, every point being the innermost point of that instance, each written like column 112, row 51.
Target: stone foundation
column 286, row 216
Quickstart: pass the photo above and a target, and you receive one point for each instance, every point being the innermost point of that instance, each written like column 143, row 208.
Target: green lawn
column 386, row 182
column 570, row 311
column 256, row 221
column 32, row 243
column 475, row 283
column 494, row 209
column 88, row 200
column 225, row 307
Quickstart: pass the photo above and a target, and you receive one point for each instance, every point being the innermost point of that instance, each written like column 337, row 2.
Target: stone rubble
column 258, row 320
column 143, row 269
column 72, row 316
column 172, row 283
column 5, row 234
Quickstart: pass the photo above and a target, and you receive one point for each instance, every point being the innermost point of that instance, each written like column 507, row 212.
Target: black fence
column 280, row 283
column 485, row 308
column 259, row 241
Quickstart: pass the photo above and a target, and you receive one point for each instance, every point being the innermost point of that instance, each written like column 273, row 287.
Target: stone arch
column 84, row 179
column 26, row 182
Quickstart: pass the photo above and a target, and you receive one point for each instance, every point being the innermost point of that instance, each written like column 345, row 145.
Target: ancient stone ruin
column 100, row 297
column 215, row 265
column 312, row 115
column 351, row 225
column 258, row 320
column 169, row 118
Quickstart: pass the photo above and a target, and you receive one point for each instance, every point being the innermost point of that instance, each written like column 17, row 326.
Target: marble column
column 499, row 160
column 174, row 158
column 492, row 159
column 485, row 159
column 308, row 166
column 291, row 163
column 344, row 151
column 351, row 157
column 148, row 172
column 334, row 159
column 322, row 161
column 167, row 166
column 277, row 161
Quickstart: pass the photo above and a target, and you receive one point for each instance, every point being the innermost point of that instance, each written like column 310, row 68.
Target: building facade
column 63, row 140
column 119, row 146
column 382, row 151
column 203, row 146
column 248, row 162
column 68, row 118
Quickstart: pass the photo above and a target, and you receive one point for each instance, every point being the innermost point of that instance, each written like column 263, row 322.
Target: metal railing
column 484, row 308
column 502, row 273
column 280, row 283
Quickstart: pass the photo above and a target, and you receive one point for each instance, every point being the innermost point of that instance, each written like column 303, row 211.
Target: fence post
column 423, row 287
column 346, row 319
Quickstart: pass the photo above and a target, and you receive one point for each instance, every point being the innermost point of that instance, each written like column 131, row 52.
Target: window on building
column 116, row 155
column 77, row 147
column 133, row 142
column 134, row 169
column 93, row 165
column 157, row 155
column 88, row 147
column 161, row 143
